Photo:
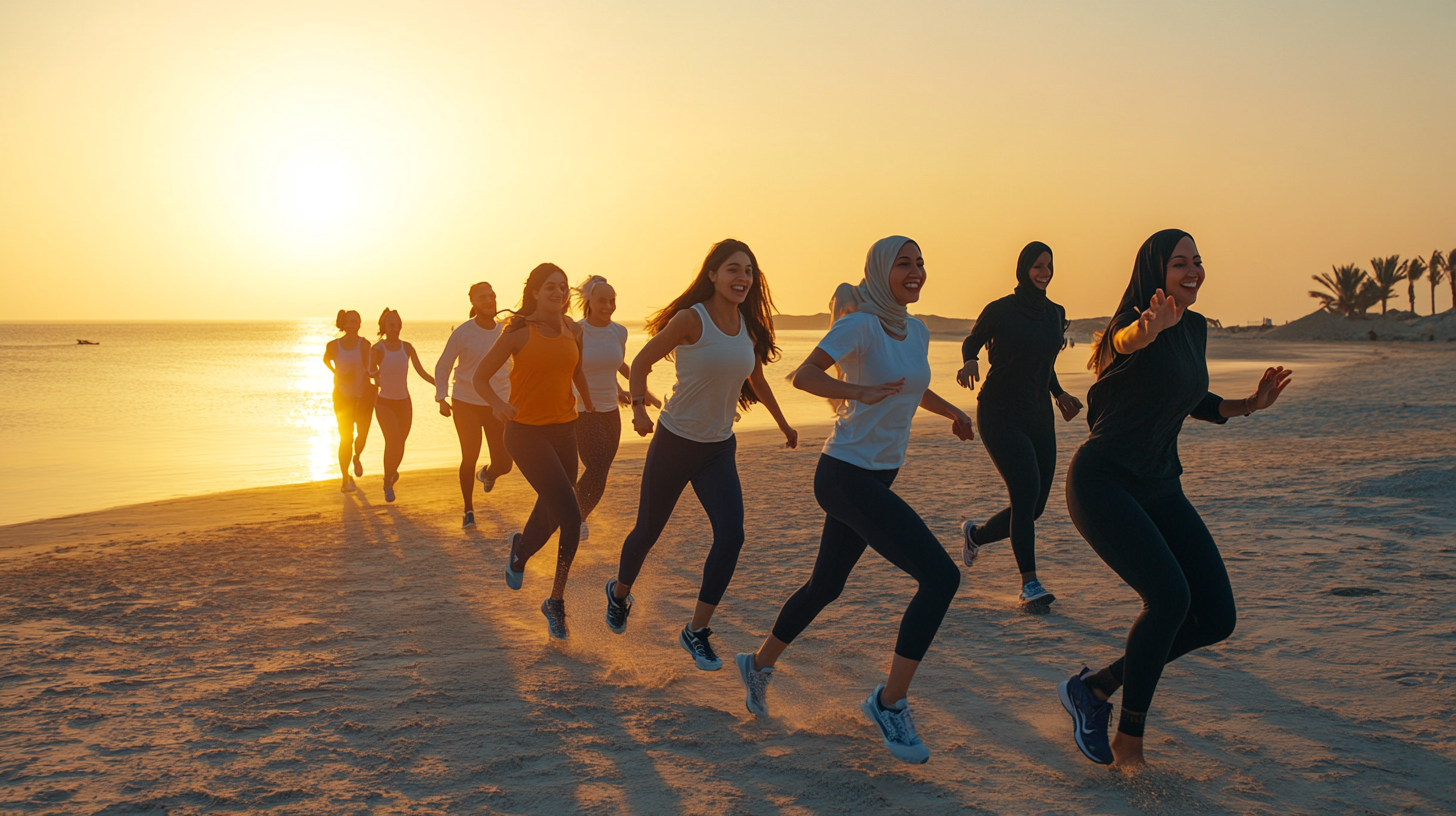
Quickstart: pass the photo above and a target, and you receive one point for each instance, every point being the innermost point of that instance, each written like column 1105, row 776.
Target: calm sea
column 160, row 410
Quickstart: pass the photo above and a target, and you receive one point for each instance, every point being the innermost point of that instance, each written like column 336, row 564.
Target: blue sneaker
column 896, row 727
column 755, row 683
column 1034, row 597
column 514, row 579
column 1089, row 717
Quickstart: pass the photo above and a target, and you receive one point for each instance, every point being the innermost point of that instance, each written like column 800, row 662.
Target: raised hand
column 969, row 375
column 1069, row 405
column 871, row 394
column 1162, row 313
column 1271, row 385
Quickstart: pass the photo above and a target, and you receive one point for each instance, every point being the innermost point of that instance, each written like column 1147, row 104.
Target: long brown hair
column 534, row 282
column 757, row 308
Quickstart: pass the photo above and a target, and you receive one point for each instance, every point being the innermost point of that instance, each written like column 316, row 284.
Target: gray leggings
column 598, row 434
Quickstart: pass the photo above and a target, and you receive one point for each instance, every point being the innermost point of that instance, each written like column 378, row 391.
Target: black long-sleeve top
column 1023, row 345
column 1137, row 407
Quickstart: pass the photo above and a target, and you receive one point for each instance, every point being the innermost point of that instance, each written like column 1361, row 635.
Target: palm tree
column 1387, row 273
column 1439, row 266
column 1450, row 277
column 1414, row 269
column 1351, row 291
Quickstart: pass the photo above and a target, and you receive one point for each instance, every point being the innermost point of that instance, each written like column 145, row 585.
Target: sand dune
column 295, row 650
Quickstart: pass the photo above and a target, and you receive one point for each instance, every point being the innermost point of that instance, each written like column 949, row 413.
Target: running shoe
column 389, row 492
column 585, row 531
column 358, row 466
column 969, row 549
column 468, row 523
column 697, row 645
column 617, row 610
column 486, row 479
column 755, row 683
column 555, row 612
column 1089, row 717
column 347, row 486
column 1034, row 597
column 514, row 579
column 896, row 727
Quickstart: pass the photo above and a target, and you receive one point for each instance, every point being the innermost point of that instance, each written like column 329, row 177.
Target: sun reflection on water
column 313, row 409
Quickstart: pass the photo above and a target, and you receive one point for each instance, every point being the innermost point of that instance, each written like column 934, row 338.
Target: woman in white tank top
column 348, row 358
column 603, row 357
column 721, row 333
column 391, row 360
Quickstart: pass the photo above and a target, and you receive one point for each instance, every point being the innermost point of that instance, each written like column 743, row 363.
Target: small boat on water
column 88, row 342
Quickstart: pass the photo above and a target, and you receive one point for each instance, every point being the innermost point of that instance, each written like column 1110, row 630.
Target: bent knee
column 1221, row 626
column 942, row 582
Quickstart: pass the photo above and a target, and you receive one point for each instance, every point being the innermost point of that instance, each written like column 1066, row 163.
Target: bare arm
column 1162, row 313
column 376, row 357
column 329, row 356
column 504, row 347
column 1271, row 385
column 578, row 376
column 419, row 369
column 766, row 396
column 813, row 377
column 683, row 328
column 960, row 425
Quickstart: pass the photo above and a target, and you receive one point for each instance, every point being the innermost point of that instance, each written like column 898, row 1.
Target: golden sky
column 198, row 160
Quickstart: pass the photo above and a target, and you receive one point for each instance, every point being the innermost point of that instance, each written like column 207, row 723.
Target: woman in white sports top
column 603, row 357
column 391, row 360
column 721, row 334
column 348, row 358
column 467, row 346
column 883, row 354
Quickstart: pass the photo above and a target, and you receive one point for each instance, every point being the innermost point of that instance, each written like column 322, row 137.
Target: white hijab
column 873, row 295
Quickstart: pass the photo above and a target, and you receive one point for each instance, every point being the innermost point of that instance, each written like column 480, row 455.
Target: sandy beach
column 297, row 650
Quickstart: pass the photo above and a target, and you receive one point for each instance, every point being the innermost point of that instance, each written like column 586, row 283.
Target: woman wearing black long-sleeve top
column 1022, row 333
column 1126, row 498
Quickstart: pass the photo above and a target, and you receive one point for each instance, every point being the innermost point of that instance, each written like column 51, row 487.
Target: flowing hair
column 757, row 308
column 584, row 293
column 386, row 313
column 534, row 282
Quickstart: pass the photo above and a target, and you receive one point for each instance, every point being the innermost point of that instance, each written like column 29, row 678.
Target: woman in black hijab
column 1125, row 496
column 1022, row 333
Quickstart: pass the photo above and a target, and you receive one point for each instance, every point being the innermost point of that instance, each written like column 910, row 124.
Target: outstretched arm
column 1162, row 313
column 766, row 396
column 1271, row 385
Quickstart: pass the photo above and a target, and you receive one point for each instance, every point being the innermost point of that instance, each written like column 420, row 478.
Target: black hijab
column 1030, row 297
column 1149, row 274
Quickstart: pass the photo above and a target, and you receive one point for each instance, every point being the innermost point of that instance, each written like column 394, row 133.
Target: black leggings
column 861, row 510
column 1150, row 535
column 712, row 469
column 598, row 434
column 354, row 415
column 470, row 421
column 547, row 456
column 395, row 417
column 1024, row 449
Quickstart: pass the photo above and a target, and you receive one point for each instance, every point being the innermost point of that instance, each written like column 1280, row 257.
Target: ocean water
column 169, row 409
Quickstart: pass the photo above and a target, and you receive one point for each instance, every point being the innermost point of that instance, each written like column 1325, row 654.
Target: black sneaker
column 1089, row 717
column 697, row 645
column 617, row 610
column 555, row 612
column 468, row 522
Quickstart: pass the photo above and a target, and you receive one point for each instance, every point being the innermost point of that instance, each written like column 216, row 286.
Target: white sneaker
column 969, row 548
column 513, row 579
column 755, row 682
column 896, row 727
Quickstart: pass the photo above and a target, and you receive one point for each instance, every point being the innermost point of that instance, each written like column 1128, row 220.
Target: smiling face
column 553, row 294
column 1185, row 273
column 907, row 276
column 351, row 322
column 1041, row 271
column 482, row 297
column 734, row 278
column 392, row 325
column 602, row 303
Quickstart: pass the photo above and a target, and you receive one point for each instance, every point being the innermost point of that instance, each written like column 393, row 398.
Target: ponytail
column 339, row 320
column 385, row 314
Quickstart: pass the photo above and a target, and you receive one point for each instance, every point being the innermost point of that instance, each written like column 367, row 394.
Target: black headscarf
column 1149, row 274
column 1029, row 296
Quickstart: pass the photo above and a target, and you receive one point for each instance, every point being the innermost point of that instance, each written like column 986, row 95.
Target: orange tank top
column 541, row 378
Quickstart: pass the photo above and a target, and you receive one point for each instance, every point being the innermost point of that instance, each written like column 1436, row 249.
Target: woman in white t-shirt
column 883, row 353
column 603, row 357
column 467, row 346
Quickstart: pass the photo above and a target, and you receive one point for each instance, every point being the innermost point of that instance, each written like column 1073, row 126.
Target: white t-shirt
column 469, row 344
column 874, row 437
column 603, row 350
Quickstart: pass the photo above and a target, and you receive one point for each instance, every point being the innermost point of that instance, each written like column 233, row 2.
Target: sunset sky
column 197, row 160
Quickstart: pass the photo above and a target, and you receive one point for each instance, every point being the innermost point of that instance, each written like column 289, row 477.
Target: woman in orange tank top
column 540, row 421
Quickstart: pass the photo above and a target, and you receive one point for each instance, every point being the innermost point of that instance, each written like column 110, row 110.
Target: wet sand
column 297, row 650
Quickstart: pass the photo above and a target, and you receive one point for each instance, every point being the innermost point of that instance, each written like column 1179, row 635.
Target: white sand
column 295, row 650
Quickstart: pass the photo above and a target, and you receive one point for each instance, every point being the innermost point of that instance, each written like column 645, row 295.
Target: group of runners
column 543, row 391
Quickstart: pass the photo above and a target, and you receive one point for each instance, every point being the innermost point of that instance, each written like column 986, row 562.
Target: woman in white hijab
column 883, row 354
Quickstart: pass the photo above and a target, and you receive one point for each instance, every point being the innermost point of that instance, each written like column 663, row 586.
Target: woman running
column 390, row 361
column 603, row 357
column 1023, row 332
column 540, row 418
column 466, row 347
column 884, row 355
column 721, row 334
column 348, row 358
column 1125, row 496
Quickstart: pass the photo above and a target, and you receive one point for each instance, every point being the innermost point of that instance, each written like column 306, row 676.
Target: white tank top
column 351, row 372
column 710, row 375
column 603, row 350
column 393, row 370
